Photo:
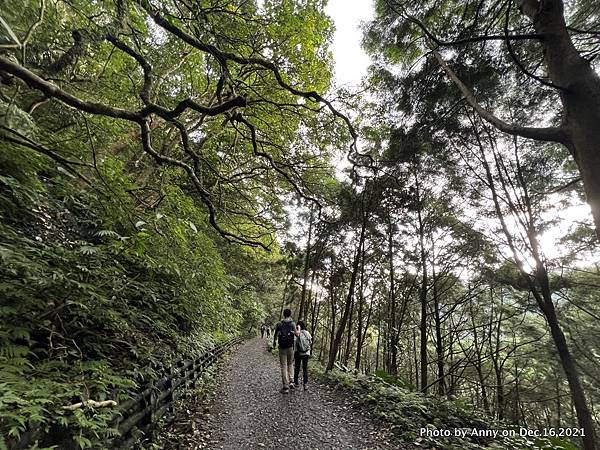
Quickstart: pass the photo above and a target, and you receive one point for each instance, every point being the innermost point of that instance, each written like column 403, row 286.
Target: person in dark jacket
column 285, row 336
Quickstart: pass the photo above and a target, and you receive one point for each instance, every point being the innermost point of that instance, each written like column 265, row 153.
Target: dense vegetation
column 173, row 173
column 434, row 421
column 127, row 173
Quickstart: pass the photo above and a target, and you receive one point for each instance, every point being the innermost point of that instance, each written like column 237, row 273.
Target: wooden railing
column 136, row 418
column 138, row 415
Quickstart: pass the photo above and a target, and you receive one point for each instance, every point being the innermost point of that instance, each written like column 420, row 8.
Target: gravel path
column 249, row 412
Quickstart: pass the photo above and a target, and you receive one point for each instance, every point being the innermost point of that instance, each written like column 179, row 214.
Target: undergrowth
column 409, row 414
column 98, row 298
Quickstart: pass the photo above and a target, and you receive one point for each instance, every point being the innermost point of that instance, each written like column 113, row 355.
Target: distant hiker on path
column 268, row 331
column 302, row 353
column 285, row 336
column 262, row 331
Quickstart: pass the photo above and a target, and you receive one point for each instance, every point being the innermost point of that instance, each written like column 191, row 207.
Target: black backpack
column 286, row 334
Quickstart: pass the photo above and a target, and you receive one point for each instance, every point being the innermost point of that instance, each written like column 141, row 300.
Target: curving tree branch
column 443, row 43
column 548, row 134
column 204, row 194
column 192, row 163
column 516, row 59
column 224, row 57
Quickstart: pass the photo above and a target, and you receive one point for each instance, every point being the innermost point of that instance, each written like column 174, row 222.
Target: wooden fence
column 136, row 417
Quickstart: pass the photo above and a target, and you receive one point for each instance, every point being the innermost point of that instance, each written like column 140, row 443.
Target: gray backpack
column 303, row 342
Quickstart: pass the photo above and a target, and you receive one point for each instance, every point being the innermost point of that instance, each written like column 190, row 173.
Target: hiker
column 302, row 353
column 262, row 331
column 285, row 336
column 268, row 331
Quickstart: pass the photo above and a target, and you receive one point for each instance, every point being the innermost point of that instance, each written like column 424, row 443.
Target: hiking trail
column 249, row 412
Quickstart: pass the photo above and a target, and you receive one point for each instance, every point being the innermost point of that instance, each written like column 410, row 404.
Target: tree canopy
column 176, row 173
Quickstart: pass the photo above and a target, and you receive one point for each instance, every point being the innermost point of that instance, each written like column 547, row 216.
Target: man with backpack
column 285, row 335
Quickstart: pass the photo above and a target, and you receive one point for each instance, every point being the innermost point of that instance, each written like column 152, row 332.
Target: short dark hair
column 302, row 325
column 287, row 312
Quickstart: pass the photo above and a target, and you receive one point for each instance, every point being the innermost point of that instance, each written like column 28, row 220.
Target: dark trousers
column 297, row 361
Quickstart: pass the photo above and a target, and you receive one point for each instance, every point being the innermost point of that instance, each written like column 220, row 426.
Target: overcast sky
column 351, row 62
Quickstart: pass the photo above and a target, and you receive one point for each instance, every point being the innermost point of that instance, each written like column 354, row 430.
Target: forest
column 175, row 173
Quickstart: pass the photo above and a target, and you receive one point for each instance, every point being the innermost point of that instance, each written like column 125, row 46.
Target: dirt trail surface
column 249, row 412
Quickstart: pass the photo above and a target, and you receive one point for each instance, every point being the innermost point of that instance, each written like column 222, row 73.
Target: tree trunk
column 311, row 296
column 558, row 402
column 361, row 300
column 416, row 359
column 580, row 96
column 393, row 366
column 314, row 315
column 378, row 342
column 333, row 313
column 517, row 405
column 422, row 293
column 346, row 313
column 366, row 327
column 306, row 267
column 439, row 344
column 498, row 366
column 584, row 418
column 477, row 344
column 452, row 376
column 539, row 286
column 285, row 292
column 349, row 333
